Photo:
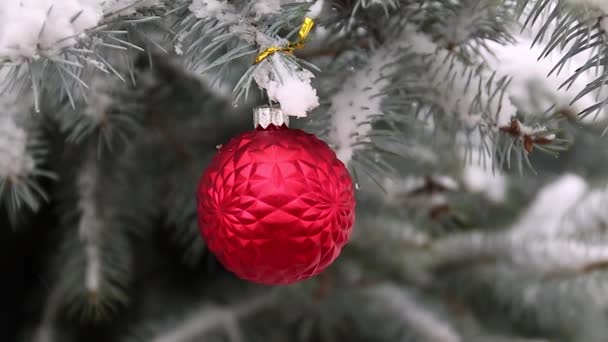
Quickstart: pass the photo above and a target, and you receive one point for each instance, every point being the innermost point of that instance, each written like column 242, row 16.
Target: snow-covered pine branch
column 551, row 308
column 111, row 112
column 467, row 96
column 21, row 154
column 426, row 325
column 209, row 317
column 61, row 41
column 360, row 99
column 217, row 33
column 16, row 163
column 556, row 249
column 541, row 258
column 401, row 311
column 579, row 29
column 546, row 240
column 90, row 226
column 35, row 28
column 93, row 267
column 568, row 208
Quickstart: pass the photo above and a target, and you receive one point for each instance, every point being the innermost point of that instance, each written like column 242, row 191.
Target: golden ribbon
column 291, row 47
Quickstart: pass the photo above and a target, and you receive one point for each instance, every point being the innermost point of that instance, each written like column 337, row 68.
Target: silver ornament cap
column 264, row 116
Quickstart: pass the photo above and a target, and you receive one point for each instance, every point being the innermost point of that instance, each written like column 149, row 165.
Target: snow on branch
column 219, row 9
column 359, row 100
column 467, row 26
column 421, row 320
column 111, row 112
column 539, row 306
column 568, row 208
column 59, row 43
column 18, row 169
column 586, row 220
column 545, row 215
column 579, row 29
column 222, row 9
column 535, row 85
column 591, row 5
column 93, row 267
column 113, row 8
column 31, row 28
column 90, row 226
column 21, row 153
column 545, row 239
column 15, row 161
column 473, row 94
column 201, row 322
column 400, row 76
column 217, row 33
column 544, row 257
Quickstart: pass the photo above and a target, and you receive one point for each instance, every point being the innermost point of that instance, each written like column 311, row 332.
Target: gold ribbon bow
column 291, row 47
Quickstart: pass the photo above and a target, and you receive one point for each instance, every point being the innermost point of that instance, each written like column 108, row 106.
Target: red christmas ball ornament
column 275, row 205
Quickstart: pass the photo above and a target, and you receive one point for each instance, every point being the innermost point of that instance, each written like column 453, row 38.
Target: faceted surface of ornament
column 276, row 206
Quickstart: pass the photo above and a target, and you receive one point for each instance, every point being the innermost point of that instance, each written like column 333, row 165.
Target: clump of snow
column 29, row 28
column 287, row 84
